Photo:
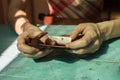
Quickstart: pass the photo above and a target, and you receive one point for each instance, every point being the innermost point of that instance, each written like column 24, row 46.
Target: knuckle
column 82, row 51
column 79, row 52
column 93, row 34
column 33, row 51
column 85, row 42
column 19, row 46
column 28, row 55
column 82, row 24
column 19, row 38
column 94, row 50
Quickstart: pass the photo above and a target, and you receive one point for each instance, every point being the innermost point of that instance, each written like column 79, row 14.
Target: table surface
column 103, row 65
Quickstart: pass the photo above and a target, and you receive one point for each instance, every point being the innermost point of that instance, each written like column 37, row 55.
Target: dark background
column 111, row 10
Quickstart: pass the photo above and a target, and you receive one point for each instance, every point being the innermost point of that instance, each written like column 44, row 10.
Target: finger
column 44, row 39
column 87, row 50
column 42, row 54
column 76, row 31
column 23, row 47
column 82, row 42
column 38, row 54
column 26, row 48
column 47, row 40
column 37, row 34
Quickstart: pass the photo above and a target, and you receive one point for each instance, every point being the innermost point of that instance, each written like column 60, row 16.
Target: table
column 103, row 65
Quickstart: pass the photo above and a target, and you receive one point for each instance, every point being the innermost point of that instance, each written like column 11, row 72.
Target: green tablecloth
column 103, row 65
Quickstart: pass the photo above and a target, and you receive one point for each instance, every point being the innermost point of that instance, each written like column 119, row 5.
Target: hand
column 90, row 41
column 30, row 32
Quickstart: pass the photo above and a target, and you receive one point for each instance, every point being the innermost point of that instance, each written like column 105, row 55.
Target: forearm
column 17, row 15
column 110, row 29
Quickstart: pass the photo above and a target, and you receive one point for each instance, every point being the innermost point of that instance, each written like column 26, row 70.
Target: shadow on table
column 71, row 58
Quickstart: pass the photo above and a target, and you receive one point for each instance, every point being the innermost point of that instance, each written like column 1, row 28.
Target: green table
column 103, row 65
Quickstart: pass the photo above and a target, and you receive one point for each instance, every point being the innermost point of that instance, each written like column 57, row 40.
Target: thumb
column 80, row 43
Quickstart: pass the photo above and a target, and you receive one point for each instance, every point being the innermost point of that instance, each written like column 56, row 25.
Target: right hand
column 30, row 32
column 89, row 43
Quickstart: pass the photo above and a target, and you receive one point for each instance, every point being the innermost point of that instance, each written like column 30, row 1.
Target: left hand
column 28, row 36
column 90, row 41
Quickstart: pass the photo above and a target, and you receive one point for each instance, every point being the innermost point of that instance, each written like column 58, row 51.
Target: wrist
column 26, row 26
column 19, row 25
column 106, row 29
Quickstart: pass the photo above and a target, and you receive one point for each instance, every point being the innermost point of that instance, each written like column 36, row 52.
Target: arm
column 110, row 29
column 17, row 15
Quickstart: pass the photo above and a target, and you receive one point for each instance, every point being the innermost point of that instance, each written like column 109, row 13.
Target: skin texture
column 93, row 33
